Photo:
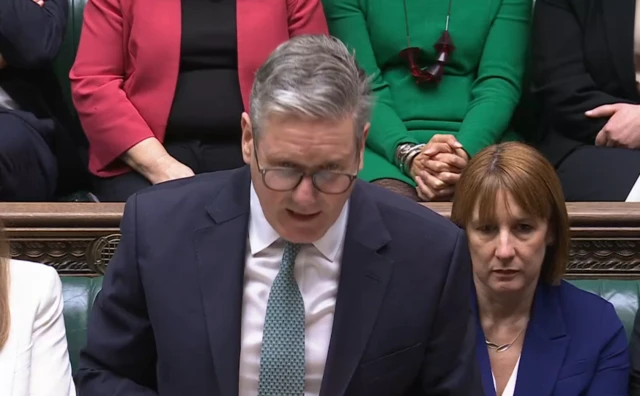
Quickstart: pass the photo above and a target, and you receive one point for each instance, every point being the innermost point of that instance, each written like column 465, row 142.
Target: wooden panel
column 605, row 239
column 79, row 238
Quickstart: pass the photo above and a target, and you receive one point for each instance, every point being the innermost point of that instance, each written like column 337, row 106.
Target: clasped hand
column 437, row 168
column 623, row 127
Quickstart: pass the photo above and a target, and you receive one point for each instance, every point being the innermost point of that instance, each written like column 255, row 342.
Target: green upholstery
column 67, row 53
column 79, row 294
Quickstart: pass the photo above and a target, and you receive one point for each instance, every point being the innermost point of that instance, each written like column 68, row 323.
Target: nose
column 305, row 193
column 505, row 249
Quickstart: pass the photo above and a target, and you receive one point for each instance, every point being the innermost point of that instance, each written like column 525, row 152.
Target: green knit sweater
column 482, row 82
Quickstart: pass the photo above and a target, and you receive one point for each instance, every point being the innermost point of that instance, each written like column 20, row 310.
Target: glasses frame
column 303, row 174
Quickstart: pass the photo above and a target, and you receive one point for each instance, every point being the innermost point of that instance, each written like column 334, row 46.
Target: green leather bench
column 80, row 292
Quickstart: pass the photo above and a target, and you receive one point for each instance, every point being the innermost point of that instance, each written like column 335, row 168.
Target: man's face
column 303, row 214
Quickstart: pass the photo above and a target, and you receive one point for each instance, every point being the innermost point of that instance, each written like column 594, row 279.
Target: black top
column 583, row 58
column 207, row 102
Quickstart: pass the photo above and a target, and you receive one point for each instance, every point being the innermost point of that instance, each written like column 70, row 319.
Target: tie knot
column 289, row 256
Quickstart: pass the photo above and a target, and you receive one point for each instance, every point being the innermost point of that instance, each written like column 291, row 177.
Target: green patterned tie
column 282, row 356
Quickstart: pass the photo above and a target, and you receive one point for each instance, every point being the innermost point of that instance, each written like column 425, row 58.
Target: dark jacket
column 30, row 38
column 582, row 59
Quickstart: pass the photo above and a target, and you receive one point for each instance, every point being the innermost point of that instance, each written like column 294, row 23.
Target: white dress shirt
column 6, row 102
column 511, row 384
column 35, row 361
column 317, row 269
column 634, row 195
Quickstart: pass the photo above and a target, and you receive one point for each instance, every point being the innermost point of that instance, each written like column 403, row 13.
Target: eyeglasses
column 444, row 46
column 286, row 179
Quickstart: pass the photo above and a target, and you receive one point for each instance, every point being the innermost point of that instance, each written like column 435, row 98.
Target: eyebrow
column 290, row 163
column 518, row 219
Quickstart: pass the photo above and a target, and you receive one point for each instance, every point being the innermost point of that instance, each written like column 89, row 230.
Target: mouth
column 505, row 272
column 302, row 216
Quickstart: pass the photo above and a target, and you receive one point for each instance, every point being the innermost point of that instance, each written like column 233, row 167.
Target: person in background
column 586, row 78
column 40, row 159
column 160, row 99
column 33, row 344
column 537, row 335
column 288, row 276
column 447, row 76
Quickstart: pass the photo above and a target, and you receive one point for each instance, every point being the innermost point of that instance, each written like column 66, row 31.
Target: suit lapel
column 619, row 18
column 220, row 250
column 545, row 341
column 363, row 280
column 482, row 354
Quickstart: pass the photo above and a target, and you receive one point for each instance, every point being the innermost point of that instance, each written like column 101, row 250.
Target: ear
column 247, row 138
column 363, row 142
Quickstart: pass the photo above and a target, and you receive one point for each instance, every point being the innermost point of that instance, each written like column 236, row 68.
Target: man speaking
column 288, row 276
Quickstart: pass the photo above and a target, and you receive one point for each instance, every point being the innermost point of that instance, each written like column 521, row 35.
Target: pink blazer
column 126, row 69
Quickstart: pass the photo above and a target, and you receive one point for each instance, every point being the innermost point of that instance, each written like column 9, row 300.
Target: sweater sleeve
column 496, row 90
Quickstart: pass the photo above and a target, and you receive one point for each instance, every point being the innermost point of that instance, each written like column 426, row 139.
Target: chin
column 507, row 287
column 307, row 233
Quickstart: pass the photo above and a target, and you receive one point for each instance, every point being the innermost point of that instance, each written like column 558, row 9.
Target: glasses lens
column 331, row 182
column 282, row 179
column 288, row 179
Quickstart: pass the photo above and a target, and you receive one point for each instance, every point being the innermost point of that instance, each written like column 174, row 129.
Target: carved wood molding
column 605, row 239
column 78, row 239
column 69, row 255
column 604, row 258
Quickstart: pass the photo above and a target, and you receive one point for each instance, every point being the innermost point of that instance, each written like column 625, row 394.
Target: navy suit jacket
column 575, row 344
column 30, row 39
column 168, row 318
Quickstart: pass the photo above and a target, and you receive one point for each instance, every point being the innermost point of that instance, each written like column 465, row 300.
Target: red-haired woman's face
column 507, row 252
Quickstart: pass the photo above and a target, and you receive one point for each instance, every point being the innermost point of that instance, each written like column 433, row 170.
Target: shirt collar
column 262, row 235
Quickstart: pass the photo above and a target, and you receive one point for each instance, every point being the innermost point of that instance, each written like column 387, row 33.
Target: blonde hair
column 523, row 172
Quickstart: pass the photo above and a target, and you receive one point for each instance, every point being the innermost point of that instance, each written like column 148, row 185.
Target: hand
column 443, row 153
column 39, row 2
column 438, row 167
column 623, row 127
column 168, row 168
column 431, row 189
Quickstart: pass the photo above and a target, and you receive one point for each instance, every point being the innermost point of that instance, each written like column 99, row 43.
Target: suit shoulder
column 29, row 280
column 409, row 215
column 573, row 295
column 34, row 272
column 182, row 195
column 198, row 185
column 583, row 309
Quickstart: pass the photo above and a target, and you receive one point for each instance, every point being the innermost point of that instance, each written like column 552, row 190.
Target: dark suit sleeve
column 120, row 356
column 30, row 35
column 634, row 380
column 612, row 373
column 450, row 366
column 562, row 85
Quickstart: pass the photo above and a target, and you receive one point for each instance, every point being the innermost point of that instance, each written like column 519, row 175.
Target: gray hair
column 314, row 77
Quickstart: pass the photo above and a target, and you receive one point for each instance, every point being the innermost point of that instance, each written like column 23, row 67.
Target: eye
column 486, row 229
column 524, row 228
